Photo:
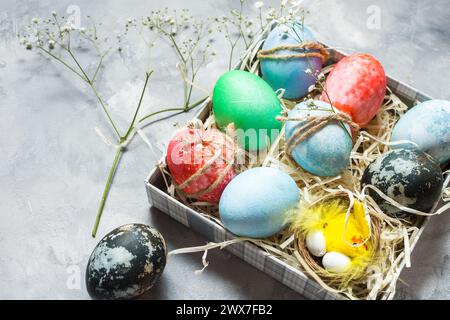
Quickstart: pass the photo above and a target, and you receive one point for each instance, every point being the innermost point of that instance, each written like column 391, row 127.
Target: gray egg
column 410, row 177
column 126, row 262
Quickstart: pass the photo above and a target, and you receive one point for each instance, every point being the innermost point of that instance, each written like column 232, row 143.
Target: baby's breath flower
column 66, row 28
column 308, row 71
column 284, row 29
column 35, row 20
column 28, row 46
column 54, row 13
column 51, row 44
column 259, row 4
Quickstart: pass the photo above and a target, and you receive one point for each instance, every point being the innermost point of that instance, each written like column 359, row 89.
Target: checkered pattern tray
column 286, row 274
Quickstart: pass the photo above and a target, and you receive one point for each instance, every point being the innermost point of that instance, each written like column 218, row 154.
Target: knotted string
column 207, row 165
column 312, row 125
column 321, row 52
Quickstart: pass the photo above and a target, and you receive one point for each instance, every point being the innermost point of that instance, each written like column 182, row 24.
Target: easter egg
column 316, row 243
column 336, row 262
column 294, row 75
column 410, row 177
column 126, row 262
column 200, row 162
column 356, row 85
column 248, row 102
column 258, row 202
column 325, row 152
column 428, row 126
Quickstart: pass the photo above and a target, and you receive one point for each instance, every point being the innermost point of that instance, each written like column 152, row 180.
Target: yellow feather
column 329, row 217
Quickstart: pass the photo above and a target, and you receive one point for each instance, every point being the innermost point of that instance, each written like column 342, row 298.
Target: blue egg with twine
column 326, row 152
column 427, row 125
column 259, row 202
column 294, row 75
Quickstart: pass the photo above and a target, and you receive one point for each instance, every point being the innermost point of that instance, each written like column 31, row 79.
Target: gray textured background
column 53, row 166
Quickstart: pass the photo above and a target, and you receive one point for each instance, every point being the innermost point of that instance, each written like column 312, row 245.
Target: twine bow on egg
column 319, row 51
column 312, row 125
column 208, row 164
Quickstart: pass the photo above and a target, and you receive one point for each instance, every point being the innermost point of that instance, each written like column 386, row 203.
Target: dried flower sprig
column 62, row 41
column 187, row 35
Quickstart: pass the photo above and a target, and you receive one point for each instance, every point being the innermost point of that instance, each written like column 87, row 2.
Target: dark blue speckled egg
column 410, row 177
column 126, row 262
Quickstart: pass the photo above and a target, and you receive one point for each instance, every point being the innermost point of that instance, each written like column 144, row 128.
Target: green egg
column 249, row 102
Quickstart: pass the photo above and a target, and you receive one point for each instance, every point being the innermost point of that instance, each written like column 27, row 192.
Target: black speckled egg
column 410, row 177
column 126, row 262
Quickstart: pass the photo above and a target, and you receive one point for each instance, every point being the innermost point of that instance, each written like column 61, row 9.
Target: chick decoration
column 343, row 242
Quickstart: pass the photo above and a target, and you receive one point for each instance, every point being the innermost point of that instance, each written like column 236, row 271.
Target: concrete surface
column 53, row 165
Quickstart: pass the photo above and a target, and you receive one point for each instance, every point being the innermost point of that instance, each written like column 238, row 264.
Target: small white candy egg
column 335, row 262
column 315, row 242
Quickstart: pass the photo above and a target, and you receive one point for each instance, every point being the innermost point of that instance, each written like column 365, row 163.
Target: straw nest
column 392, row 238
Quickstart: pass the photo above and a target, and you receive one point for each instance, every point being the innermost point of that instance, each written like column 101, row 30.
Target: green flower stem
column 193, row 74
column 87, row 80
column 105, row 109
column 185, row 109
column 230, row 61
column 147, row 77
column 63, row 63
column 112, row 171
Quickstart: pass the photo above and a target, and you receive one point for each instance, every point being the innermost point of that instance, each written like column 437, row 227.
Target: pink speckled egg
column 206, row 153
column 356, row 86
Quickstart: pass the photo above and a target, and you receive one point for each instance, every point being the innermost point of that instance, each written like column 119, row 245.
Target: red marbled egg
column 356, row 86
column 207, row 153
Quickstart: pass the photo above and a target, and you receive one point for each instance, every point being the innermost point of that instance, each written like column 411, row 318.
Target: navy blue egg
column 410, row 177
column 126, row 262
column 291, row 74
column 258, row 202
column 325, row 153
column 428, row 126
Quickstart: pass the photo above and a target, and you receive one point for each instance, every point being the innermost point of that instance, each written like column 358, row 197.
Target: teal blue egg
column 291, row 74
column 258, row 202
column 327, row 151
column 428, row 126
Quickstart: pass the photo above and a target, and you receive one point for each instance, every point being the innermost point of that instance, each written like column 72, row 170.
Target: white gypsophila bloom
column 83, row 30
column 311, row 88
column 23, row 41
column 308, row 71
column 284, row 29
column 66, row 28
column 283, row 3
column 54, row 13
column 259, row 4
column 35, row 20
column 294, row 3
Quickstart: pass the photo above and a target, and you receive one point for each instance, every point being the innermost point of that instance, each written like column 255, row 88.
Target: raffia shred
column 394, row 238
